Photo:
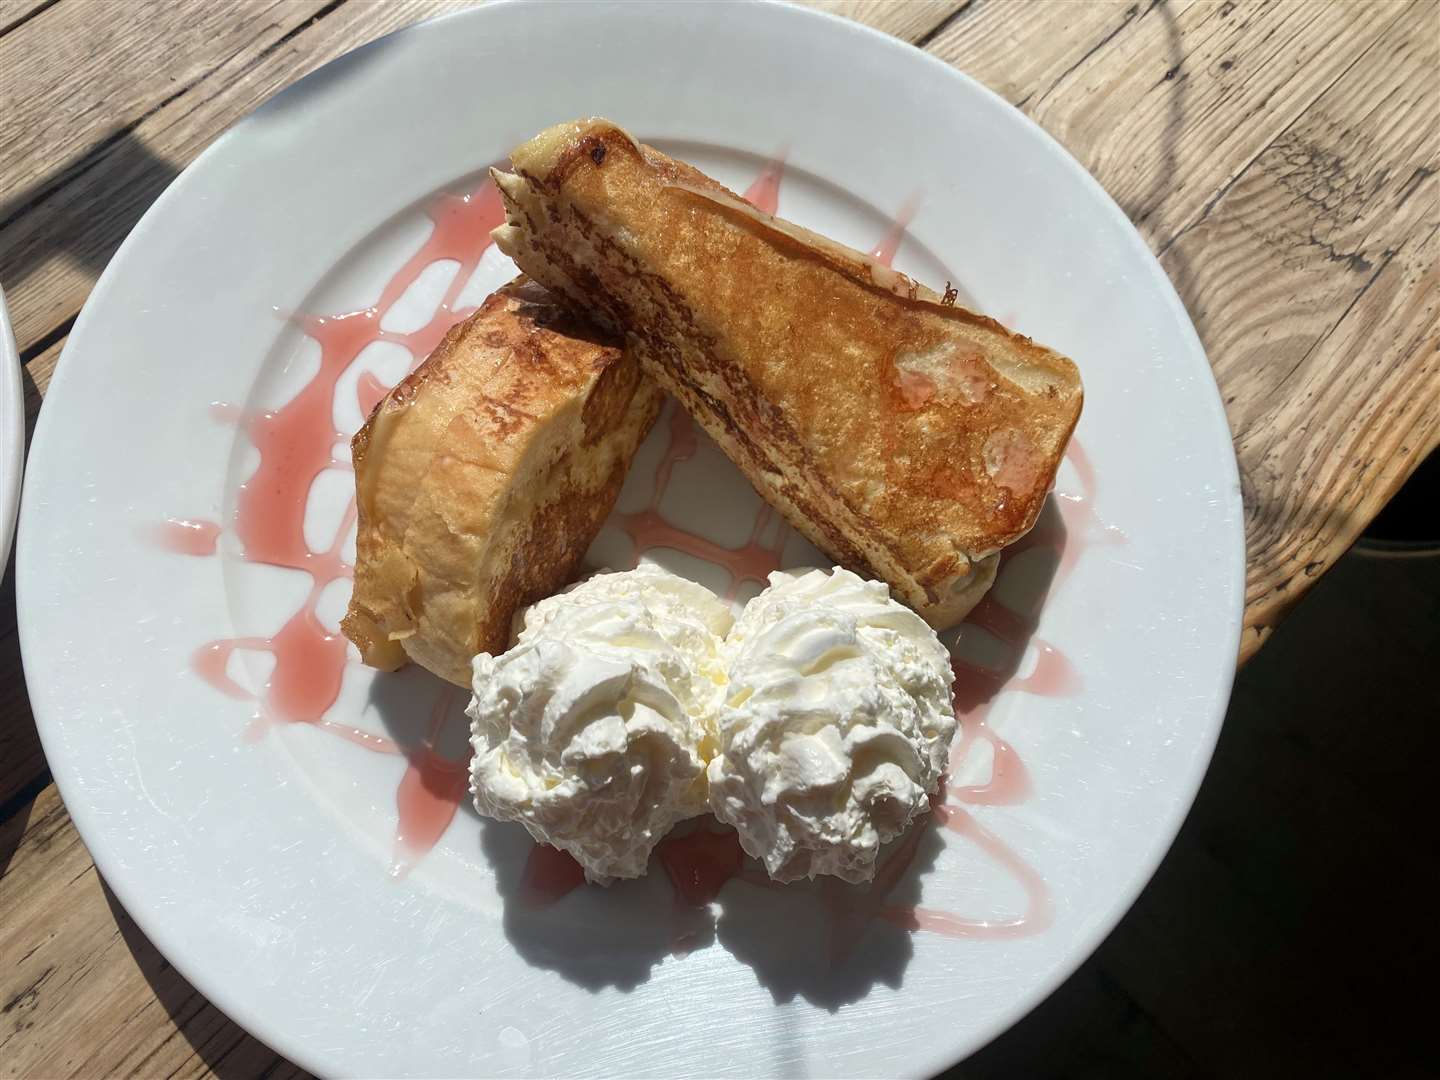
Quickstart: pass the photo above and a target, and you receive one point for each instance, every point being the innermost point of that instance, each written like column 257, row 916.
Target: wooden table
column 1280, row 158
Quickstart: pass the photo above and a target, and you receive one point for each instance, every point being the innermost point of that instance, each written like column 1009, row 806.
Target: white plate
column 259, row 858
column 12, row 433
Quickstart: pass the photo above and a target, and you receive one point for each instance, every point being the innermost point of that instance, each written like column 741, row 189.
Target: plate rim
column 12, row 424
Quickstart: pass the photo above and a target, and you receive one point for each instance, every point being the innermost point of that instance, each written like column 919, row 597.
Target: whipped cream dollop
column 593, row 731
column 836, row 725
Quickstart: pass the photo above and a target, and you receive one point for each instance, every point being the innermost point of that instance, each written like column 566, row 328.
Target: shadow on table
column 225, row 1048
column 1286, row 929
column 84, row 224
column 83, row 220
column 85, row 207
column 12, row 832
column 26, row 774
column 1177, row 90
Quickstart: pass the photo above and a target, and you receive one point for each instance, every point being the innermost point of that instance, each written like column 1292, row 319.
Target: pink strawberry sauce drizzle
column 648, row 529
column 549, row 874
column 185, row 537
column 698, row 865
column 429, row 794
column 884, row 252
column 296, row 444
column 1038, row 911
column 369, row 391
column 764, row 193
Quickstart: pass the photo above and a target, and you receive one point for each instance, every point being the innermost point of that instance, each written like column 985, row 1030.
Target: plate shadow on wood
column 225, row 1048
column 122, row 166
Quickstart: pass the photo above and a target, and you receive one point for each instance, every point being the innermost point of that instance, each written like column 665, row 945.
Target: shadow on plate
column 824, row 941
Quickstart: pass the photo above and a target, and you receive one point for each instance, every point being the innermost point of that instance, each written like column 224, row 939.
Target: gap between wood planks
column 51, row 253
column 16, row 13
column 923, row 41
column 1248, row 164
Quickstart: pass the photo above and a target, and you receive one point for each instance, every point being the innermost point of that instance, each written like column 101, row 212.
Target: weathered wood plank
column 82, row 992
column 15, row 12
column 1165, row 103
column 79, row 72
column 52, row 254
column 1198, row 118
column 909, row 20
column 1313, row 282
column 1021, row 48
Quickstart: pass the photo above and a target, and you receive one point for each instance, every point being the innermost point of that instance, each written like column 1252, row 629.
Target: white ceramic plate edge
column 12, row 431
column 1235, row 576
column 1235, row 566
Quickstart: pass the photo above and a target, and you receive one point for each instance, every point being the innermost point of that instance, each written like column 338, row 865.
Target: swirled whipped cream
column 593, row 731
column 836, row 725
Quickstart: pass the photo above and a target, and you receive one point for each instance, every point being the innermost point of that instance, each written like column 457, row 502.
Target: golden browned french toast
column 908, row 438
column 481, row 479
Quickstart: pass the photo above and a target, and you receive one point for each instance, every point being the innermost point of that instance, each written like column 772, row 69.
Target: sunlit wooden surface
column 1280, row 158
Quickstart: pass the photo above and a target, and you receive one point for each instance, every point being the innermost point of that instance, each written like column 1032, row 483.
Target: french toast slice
column 481, row 479
column 908, row 438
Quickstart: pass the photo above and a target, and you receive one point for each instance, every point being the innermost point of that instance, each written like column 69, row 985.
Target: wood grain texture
column 912, row 20
column 15, row 12
column 52, row 254
column 1328, row 359
column 53, row 117
column 76, row 215
column 1280, row 157
column 1165, row 103
column 1273, row 154
column 77, row 966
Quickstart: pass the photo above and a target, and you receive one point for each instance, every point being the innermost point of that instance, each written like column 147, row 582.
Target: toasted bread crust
column 908, row 438
column 483, row 476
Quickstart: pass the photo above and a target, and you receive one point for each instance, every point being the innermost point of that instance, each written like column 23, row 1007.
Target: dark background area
column 1291, row 929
